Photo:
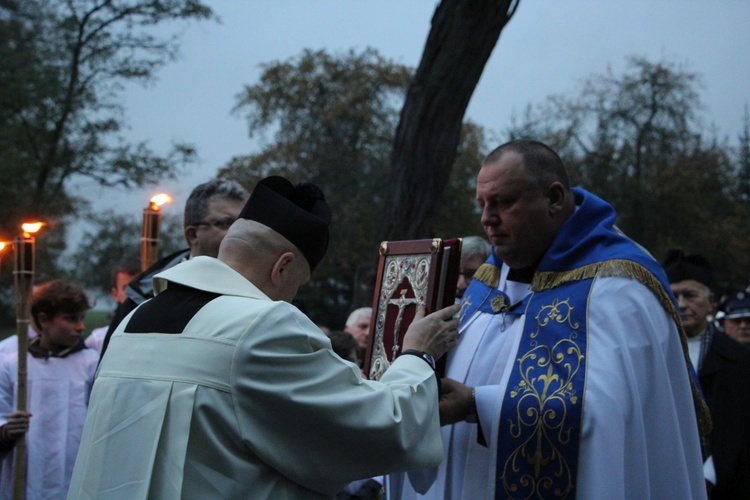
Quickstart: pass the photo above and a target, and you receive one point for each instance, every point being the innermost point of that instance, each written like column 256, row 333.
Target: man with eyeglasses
column 209, row 211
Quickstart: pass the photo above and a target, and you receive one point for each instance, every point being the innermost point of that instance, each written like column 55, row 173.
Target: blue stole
column 540, row 420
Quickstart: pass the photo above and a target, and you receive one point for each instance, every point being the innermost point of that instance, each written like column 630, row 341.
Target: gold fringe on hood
column 488, row 274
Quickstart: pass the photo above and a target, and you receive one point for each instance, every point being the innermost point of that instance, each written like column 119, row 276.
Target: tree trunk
column 462, row 37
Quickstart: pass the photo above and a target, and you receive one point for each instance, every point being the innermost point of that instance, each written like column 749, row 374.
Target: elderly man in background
column 240, row 395
column 723, row 369
column 474, row 251
column 358, row 325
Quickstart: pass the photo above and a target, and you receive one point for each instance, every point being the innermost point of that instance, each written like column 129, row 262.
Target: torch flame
column 31, row 227
column 2, row 245
column 159, row 200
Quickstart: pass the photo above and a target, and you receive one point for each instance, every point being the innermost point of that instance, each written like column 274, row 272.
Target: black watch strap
column 472, row 416
column 427, row 357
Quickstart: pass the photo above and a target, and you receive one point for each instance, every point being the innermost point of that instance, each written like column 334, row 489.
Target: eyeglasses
column 222, row 224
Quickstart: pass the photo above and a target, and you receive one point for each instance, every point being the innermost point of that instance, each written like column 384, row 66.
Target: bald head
column 541, row 163
column 265, row 258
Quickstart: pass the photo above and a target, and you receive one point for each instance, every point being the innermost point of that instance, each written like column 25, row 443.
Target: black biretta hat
column 681, row 267
column 298, row 213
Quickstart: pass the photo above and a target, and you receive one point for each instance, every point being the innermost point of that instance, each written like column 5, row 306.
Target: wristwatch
column 425, row 356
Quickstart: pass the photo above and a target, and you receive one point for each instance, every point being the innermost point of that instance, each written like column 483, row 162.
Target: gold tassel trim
column 488, row 274
column 619, row 268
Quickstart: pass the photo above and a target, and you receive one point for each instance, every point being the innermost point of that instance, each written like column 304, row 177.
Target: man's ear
column 280, row 267
column 41, row 320
column 556, row 195
column 191, row 234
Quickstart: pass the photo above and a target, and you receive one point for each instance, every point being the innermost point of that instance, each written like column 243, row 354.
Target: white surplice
column 639, row 434
column 57, row 398
column 248, row 401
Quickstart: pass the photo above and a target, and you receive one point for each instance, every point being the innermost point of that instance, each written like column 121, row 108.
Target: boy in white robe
column 60, row 373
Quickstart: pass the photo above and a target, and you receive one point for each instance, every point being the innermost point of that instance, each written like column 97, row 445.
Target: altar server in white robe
column 219, row 388
column 60, row 372
column 571, row 377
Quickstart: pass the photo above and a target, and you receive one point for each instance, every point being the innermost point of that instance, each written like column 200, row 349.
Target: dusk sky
column 547, row 48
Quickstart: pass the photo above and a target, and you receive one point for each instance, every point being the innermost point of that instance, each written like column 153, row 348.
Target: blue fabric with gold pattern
column 540, row 419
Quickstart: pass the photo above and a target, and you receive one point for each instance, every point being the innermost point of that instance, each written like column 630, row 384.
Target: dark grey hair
column 196, row 207
column 128, row 265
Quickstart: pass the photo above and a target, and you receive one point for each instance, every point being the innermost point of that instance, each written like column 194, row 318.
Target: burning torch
column 23, row 277
column 150, row 230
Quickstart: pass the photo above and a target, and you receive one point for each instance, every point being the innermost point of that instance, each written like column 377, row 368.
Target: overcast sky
column 547, row 48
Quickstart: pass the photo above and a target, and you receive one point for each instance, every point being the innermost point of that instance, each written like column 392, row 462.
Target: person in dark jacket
column 723, row 368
